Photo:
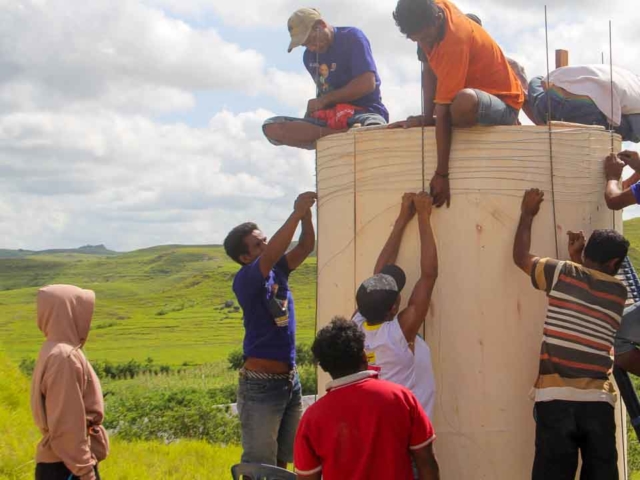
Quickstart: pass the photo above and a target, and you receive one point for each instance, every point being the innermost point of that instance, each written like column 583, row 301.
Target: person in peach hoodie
column 66, row 397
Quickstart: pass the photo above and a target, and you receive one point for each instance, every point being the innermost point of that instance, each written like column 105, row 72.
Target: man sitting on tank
column 392, row 342
column 574, row 398
column 340, row 61
column 466, row 81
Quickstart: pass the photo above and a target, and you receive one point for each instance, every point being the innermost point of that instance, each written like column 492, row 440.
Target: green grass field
column 127, row 461
column 166, row 303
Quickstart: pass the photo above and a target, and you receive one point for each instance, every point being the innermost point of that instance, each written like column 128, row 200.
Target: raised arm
column 577, row 242
column 616, row 197
column 306, row 243
column 530, row 207
column 389, row 252
column 412, row 317
column 279, row 243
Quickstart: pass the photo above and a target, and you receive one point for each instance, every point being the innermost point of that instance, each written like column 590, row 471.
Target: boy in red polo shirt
column 363, row 428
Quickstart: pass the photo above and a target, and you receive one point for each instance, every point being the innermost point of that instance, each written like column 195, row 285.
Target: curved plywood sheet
column 485, row 323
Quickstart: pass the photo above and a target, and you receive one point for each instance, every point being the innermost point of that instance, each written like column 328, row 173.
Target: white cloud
column 84, row 158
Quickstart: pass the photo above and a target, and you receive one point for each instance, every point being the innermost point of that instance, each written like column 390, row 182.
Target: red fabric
column 361, row 431
column 336, row 117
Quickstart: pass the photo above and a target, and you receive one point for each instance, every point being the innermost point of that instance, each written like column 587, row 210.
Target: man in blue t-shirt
column 269, row 392
column 340, row 61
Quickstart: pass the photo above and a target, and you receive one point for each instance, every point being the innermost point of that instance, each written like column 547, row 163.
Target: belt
column 244, row 373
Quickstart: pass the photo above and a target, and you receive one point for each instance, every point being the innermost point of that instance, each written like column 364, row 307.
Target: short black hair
column 606, row 245
column 411, row 16
column 234, row 244
column 339, row 348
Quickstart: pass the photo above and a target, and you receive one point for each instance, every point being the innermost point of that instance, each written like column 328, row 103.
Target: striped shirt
column 583, row 315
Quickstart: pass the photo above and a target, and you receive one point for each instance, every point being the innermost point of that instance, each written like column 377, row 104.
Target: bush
column 27, row 365
column 235, row 359
column 169, row 415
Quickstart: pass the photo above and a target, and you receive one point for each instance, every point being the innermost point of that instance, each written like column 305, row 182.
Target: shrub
column 235, row 359
column 27, row 365
column 168, row 415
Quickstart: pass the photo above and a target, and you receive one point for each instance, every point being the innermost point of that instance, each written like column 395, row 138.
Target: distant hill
column 172, row 303
column 86, row 250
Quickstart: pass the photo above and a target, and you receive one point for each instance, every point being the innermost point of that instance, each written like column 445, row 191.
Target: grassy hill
column 86, row 250
column 167, row 303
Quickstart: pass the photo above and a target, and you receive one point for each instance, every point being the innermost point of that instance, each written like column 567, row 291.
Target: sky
column 134, row 123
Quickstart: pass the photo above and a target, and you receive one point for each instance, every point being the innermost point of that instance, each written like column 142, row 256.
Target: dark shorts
column 565, row 428
column 364, row 119
column 493, row 111
column 57, row 471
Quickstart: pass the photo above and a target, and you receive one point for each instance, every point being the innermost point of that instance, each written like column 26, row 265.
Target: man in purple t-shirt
column 618, row 198
column 340, row 61
column 269, row 392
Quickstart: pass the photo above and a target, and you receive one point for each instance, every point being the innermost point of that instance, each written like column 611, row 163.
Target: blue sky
column 137, row 122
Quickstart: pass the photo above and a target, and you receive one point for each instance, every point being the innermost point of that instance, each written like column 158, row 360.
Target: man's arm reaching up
column 616, row 197
column 530, row 207
column 306, row 243
column 389, row 252
column 412, row 317
column 279, row 243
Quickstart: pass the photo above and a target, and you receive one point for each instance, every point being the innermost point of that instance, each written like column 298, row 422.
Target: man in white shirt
column 582, row 94
column 392, row 343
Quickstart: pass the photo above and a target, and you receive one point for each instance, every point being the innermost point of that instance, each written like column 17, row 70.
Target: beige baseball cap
column 300, row 24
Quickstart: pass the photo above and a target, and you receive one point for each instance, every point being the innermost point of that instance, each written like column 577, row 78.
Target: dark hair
column 474, row 18
column 375, row 306
column 234, row 244
column 339, row 348
column 606, row 245
column 411, row 16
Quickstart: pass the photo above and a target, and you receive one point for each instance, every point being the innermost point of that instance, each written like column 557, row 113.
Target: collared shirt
column 362, row 428
column 583, row 315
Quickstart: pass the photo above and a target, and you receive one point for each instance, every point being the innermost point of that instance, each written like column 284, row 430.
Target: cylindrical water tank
column 485, row 323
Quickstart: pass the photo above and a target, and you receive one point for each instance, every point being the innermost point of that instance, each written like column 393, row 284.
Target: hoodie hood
column 64, row 313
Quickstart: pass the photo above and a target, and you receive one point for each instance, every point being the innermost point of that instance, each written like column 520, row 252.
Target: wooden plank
column 562, row 58
column 485, row 323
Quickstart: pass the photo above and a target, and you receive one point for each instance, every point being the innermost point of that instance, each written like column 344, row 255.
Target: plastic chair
column 258, row 471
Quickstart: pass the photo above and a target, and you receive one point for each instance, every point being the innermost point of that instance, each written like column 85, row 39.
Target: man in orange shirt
column 467, row 79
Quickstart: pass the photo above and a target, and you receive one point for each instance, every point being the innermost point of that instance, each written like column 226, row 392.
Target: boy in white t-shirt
column 392, row 343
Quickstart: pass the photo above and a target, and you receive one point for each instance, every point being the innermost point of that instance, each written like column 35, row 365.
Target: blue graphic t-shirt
column 265, row 335
column 348, row 57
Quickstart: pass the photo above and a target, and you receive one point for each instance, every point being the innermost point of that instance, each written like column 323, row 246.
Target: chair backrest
column 257, row 471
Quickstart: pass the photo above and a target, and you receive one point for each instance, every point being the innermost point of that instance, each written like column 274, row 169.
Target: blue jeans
column 575, row 110
column 493, row 111
column 364, row 119
column 269, row 412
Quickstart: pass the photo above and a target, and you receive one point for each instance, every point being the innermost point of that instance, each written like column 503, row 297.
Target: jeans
column 493, row 111
column 57, row 471
column 364, row 119
column 269, row 412
column 563, row 428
